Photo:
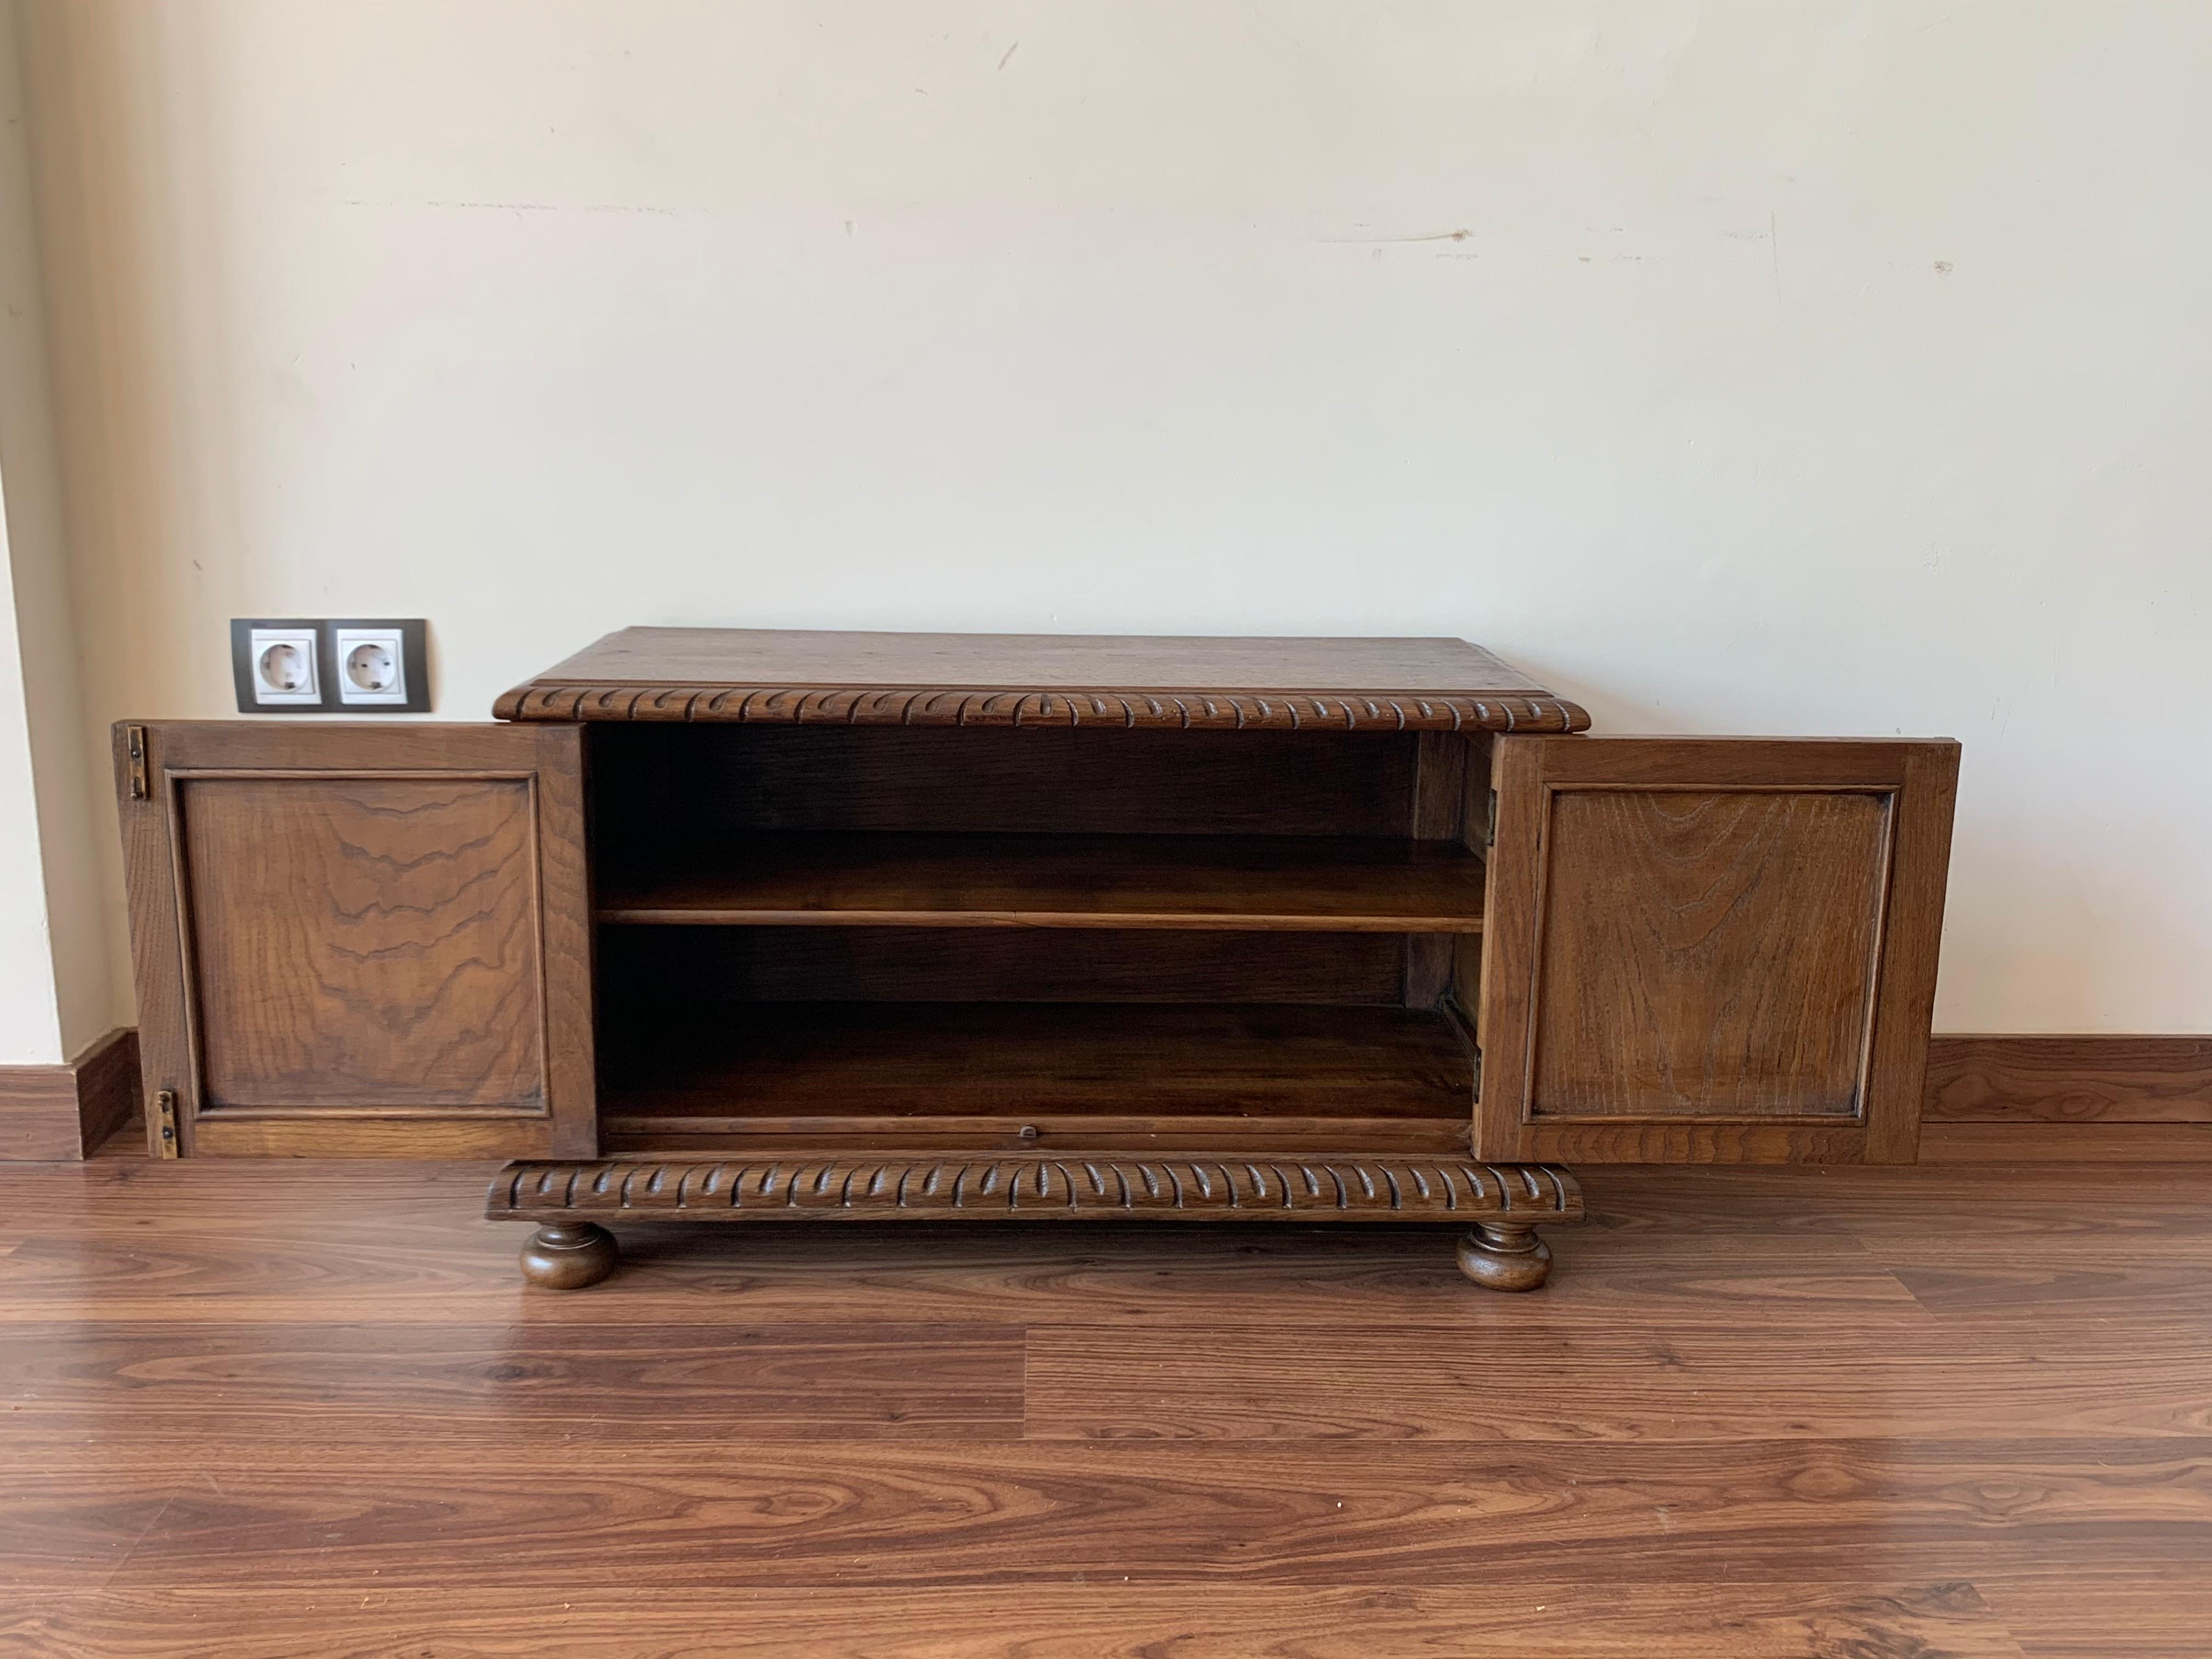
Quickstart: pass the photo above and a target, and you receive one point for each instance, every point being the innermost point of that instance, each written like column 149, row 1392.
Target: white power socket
column 371, row 665
column 331, row 666
column 286, row 668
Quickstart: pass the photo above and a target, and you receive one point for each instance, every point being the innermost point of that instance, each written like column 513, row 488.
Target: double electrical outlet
column 288, row 666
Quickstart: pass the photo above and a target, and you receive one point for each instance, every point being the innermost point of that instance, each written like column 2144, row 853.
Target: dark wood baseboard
column 60, row 1114
column 2069, row 1080
column 2104, row 1099
column 2066, row 1143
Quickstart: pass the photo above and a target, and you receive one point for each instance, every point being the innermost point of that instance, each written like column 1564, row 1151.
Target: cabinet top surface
column 786, row 676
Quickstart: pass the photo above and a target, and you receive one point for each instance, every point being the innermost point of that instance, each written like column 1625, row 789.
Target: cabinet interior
column 1005, row 936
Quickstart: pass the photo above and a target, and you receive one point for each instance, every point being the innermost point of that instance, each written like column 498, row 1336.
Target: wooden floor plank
column 1122, row 1273
column 1691, row 1382
column 1523, row 1620
column 251, row 1409
column 598, row 1388
column 2122, row 1614
column 1773, row 1512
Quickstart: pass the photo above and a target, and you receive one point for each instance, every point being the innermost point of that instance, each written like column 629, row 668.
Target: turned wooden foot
column 1502, row 1255
column 567, row 1256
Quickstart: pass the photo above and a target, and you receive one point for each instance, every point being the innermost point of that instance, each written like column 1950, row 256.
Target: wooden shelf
column 1066, row 1069
column 1287, row 883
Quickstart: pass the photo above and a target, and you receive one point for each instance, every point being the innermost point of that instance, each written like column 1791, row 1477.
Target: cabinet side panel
column 1708, row 953
column 568, row 940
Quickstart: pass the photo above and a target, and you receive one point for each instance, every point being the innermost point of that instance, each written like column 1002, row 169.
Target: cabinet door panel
column 1711, row 950
column 362, row 940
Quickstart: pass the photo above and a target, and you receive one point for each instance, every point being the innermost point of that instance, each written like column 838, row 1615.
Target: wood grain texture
column 1278, row 882
column 57, row 1113
column 2067, row 1143
column 1708, row 955
column 1067, row 680
column 2054, row 1079
column 343, row 931
column 800, row 1067
column 692, row 1517
column 1572, row 1619
column 364, row 938
column 304, row 1410
column 892, row 1187
column 1711, row 948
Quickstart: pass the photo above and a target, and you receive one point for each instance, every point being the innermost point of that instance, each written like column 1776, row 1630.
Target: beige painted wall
column 1778, row 366
column 56, row 991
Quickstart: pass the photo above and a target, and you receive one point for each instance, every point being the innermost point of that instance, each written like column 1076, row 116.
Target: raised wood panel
column 362, row 940
column 1710, row 950
column 1708, row 954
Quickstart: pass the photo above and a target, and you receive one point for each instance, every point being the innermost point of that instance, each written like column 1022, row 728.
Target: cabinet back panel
column 363, row 938
column 652, row 781
column 650, row 965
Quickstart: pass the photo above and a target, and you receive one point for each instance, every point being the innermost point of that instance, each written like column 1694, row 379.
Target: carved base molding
column 936, row 1187
column 1502, row 1203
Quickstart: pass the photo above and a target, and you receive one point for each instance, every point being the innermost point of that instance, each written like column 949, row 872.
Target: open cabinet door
column 356, row 939
column 1709, row 950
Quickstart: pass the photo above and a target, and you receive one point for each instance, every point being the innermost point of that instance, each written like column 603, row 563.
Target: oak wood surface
column 364, row 939
column 350, row 938
column 879, row 1067
column 1274, row 883
column 1745, row 923
column 306, row 1410
column 1099, row 680
column 1710, row 949
column 1575, row 1619
column 2054, row 1079
column 764, row 656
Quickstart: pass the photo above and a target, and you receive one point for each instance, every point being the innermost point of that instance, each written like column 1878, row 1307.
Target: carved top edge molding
column 1132, row 710
column 929, row 1185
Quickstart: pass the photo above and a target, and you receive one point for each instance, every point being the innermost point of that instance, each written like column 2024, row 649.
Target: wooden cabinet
column 884, row 927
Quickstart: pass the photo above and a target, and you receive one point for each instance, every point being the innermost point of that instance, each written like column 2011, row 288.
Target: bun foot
column 568, row 1255
column 1501, row 1256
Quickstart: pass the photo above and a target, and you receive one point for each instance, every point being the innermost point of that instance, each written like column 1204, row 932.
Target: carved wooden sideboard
column 723, row 925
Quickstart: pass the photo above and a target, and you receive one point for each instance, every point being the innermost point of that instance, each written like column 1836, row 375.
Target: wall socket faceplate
column 350, row 665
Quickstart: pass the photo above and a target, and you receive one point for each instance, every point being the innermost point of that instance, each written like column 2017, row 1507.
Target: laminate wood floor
column 285, row 1410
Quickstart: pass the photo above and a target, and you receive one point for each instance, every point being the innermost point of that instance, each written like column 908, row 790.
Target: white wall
column 56, row 995
column 1778, row 366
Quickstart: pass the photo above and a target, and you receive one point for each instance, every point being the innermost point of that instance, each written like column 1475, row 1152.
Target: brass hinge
column 134, row 743
column 1490, row 821
column 165, row 1113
